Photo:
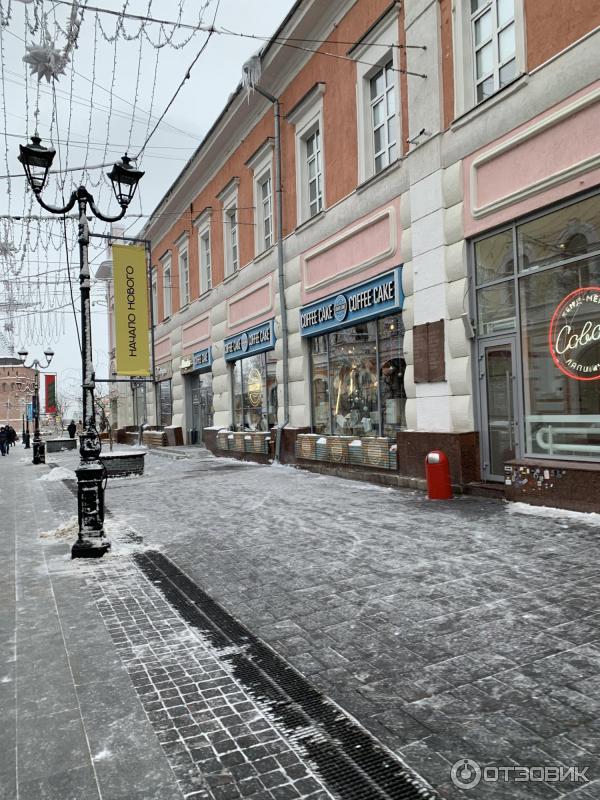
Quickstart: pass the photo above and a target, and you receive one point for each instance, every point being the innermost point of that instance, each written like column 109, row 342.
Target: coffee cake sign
column 574, row 336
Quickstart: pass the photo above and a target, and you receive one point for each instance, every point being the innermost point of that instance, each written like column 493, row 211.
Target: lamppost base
column 39, row 452
column 90, row 548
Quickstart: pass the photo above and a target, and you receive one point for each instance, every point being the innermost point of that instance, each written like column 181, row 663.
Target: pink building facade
column 431, row 279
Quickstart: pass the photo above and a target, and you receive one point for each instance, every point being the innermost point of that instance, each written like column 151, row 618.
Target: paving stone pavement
column 108, row 693
column 450, row 630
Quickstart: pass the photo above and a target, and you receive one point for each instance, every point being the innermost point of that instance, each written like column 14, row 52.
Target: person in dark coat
column 12, row 435
column 71, row 427
column 3, row 441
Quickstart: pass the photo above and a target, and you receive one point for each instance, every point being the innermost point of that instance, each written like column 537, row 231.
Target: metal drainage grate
column 350, row 761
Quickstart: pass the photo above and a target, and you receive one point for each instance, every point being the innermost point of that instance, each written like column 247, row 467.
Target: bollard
column 437, row 472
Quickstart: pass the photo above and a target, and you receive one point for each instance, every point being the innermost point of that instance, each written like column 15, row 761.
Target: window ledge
column 264, row 253
column 507, row 91
column 205, row 294
column 307, row 223
column 229, row 278
column 379, row 176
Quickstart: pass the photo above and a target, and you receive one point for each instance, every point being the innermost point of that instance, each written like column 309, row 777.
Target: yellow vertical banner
column 130, row 283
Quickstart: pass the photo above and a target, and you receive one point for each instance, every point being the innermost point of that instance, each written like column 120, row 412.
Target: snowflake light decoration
column 46, row 61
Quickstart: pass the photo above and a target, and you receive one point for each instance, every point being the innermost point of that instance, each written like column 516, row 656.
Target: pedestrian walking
column 72, row 428
column 12, row 435
column 3, row 441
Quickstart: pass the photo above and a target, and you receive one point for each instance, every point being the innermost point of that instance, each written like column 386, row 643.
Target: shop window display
column 358, row 379
column 165, row 402
column 554, row 276
column 255, row 392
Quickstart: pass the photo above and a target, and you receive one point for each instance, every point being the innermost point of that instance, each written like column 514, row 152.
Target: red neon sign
column 574, row 334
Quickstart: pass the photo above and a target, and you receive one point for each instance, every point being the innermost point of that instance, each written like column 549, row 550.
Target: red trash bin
column 437, row 472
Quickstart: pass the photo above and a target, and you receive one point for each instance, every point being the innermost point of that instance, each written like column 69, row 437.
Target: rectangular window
column 154, row 296
column 314, row 172
column 233, row 262
column 265, row 198
column 167, row 291
column 184, row 277
column 383, row 117
column 205, row 264
column 494, row 45
column 357, row 377
column 255, row 392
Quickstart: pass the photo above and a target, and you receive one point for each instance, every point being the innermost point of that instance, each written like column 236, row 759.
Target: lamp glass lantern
column 125, row 179
column 37, row 161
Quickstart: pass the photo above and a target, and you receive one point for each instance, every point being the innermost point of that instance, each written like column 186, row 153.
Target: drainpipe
column 280, row 272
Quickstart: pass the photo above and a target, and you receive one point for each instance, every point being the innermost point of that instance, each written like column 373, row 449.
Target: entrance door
column 201, row 407
column 498, row 393
column 206, row 406
column 196, row 426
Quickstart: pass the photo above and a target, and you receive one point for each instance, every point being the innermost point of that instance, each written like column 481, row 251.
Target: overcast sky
column 99, row 108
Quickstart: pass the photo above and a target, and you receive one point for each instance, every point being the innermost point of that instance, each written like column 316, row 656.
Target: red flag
column 50, row 381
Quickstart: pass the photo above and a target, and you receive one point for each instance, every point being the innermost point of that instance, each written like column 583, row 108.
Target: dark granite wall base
column 462, row 450
column 559, row 484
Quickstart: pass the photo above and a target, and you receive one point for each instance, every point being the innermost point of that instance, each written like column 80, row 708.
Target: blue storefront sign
column 202, row 359
column 251, row 341
column 374, row 298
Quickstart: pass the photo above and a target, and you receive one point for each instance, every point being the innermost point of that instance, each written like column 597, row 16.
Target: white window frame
column 381, row 48
column 465, row 93
column 261, row 164
column 203, row 231
column 307, row 117
column 167, row 270
column 154, row 295
column 231, row 238
column 183, row 256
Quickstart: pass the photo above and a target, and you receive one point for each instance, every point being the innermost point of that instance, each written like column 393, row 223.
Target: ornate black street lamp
column 39, row 447
column 37, row 160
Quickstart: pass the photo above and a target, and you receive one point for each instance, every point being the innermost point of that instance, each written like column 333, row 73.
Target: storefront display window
column 555, row 277
column 165, row 402
column 358, row 379
column 567, row 233
column 201, row 410
column 255, row 392
column 139, row 402
column 496, row 308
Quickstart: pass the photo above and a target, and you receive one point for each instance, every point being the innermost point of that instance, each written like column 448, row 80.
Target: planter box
column 337, row 449
column 257, row 442
column 119, row 464
column 174, row 436
column 237, row 442
column 306, row 444
column 376, row 453
column 56, row 445
column 151, row 438
column 355, row 453
column 223, row 440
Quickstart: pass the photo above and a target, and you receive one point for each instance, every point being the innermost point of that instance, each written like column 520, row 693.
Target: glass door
column 498, row 402
column 195, row 416
column 206, row 406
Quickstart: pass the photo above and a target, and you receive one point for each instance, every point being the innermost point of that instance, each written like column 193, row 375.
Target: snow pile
column 102, row 755
column 58, row 474
column 67, row 530
column 586, row 518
